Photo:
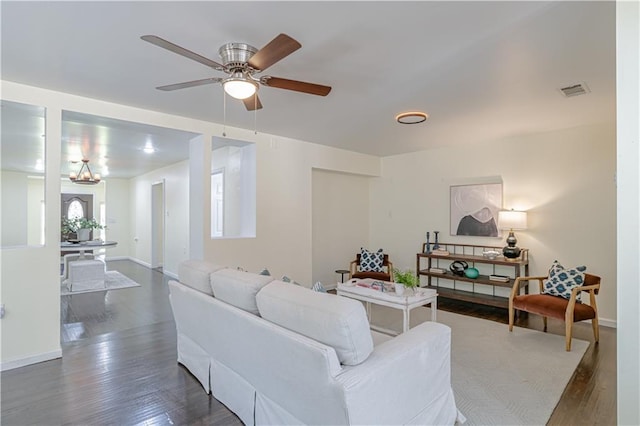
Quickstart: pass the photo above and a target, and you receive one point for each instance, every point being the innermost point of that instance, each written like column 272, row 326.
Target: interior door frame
column 158, row 208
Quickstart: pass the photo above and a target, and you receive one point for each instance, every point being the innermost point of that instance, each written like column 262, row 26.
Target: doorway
column 157, row 225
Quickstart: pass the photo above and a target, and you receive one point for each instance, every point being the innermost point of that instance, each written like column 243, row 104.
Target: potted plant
column 403, row 280
column 81, row 226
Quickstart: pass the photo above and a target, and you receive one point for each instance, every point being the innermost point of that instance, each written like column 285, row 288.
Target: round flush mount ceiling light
column 412, row 117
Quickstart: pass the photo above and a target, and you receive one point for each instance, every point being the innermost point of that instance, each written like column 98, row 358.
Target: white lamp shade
column 239, row 89
column 511, row 219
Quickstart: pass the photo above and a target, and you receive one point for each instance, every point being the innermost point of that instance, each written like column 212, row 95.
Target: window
column 75, row 210
column 233, row 189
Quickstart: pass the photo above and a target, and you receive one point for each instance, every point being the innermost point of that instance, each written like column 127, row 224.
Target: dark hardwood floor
column 119, row 366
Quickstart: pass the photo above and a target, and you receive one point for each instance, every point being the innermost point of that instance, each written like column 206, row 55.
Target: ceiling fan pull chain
column 255, row 114
column 224, row 113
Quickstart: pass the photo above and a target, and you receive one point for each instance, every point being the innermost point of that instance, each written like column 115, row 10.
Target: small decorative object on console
column 458, row 267
column 440, row 252
column 471, row 273
column 501, row 278
column 436, row 246
column 427, row 247
column 490, row 254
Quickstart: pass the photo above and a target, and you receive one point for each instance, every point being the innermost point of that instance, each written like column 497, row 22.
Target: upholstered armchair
column 568, row 310
column 385, row 275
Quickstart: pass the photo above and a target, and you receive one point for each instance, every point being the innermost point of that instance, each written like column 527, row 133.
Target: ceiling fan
column 241, row 62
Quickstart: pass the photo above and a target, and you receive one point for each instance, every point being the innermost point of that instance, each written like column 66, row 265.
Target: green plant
column 73, row 224
column 407, row 278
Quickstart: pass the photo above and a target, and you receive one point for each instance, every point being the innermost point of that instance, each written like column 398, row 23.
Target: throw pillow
column 561, row 280
column 371, row 261
column 319, row 287
column 286, row 279
column 266, row 272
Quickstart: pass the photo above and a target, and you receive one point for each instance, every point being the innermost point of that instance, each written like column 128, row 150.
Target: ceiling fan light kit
column 84, row 175
column 241, row 61
column 239, row 86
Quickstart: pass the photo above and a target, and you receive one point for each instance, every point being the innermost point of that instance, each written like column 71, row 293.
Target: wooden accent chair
column 386, row 275
column 556, row 306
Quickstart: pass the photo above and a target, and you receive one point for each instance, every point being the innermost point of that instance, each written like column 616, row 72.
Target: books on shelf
column 440, row 252
column 437, row 270
column 501, row 278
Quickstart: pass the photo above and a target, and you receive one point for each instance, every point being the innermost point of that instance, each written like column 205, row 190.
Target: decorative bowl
column 490, row 254
column 471, row 273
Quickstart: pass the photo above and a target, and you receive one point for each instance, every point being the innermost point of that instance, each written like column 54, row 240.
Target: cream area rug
column 114, row 280
column 500, row 378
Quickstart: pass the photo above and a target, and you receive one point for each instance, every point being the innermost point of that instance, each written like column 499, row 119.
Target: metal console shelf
column 449, row 285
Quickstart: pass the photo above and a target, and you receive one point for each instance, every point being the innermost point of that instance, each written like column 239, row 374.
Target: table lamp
column 511, row 219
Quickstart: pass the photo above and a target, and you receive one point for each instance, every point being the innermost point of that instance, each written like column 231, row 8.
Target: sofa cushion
column 335, row 321
column 238, row 288
column 196, row 274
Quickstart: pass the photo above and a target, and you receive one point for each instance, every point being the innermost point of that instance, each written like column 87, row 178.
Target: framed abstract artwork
column 474, row 209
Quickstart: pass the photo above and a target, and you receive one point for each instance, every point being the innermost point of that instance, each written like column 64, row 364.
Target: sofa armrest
column 402, row 377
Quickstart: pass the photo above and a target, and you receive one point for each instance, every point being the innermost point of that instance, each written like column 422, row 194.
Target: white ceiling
column 482, row 70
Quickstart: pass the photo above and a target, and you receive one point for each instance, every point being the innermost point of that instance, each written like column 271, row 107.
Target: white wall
column 176, row 187
column 29, row 276
column 283, row 240
column 118, row 217
column 340, row 223
column 628, row 109
column 30, row 331
column 564, row 179
column 35, row 190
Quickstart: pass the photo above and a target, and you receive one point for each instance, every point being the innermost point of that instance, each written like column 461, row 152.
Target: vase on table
column 83, row 234
column 399, row 289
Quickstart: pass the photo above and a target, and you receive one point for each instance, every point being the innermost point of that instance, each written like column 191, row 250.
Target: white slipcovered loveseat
column 278, row 353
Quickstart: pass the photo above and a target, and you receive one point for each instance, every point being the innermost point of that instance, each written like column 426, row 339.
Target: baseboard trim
column 117, row 258
column 145, row 264
column 17, row 363
column 608, row 323
column 139, row 262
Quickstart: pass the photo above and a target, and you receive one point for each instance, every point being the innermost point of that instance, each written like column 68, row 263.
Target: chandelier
column 84, row 175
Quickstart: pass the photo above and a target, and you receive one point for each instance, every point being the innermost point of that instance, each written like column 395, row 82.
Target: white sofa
column 278, row 353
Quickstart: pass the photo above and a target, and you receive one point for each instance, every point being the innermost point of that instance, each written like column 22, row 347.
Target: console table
column 481, row 290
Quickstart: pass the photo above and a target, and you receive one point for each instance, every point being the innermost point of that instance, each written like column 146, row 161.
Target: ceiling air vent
column 575, row 89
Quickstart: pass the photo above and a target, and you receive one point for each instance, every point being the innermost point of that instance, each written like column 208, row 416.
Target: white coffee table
column 409, row 300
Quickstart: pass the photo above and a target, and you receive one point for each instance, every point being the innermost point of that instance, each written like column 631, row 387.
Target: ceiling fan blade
column 297, row 86
column 186, row 84
column 252, row 103
column 160, row 42
column 276, row 49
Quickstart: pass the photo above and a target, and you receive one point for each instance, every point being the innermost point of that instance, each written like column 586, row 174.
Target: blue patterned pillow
column 371, row 261
column 319, row 287
column 561, row 281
